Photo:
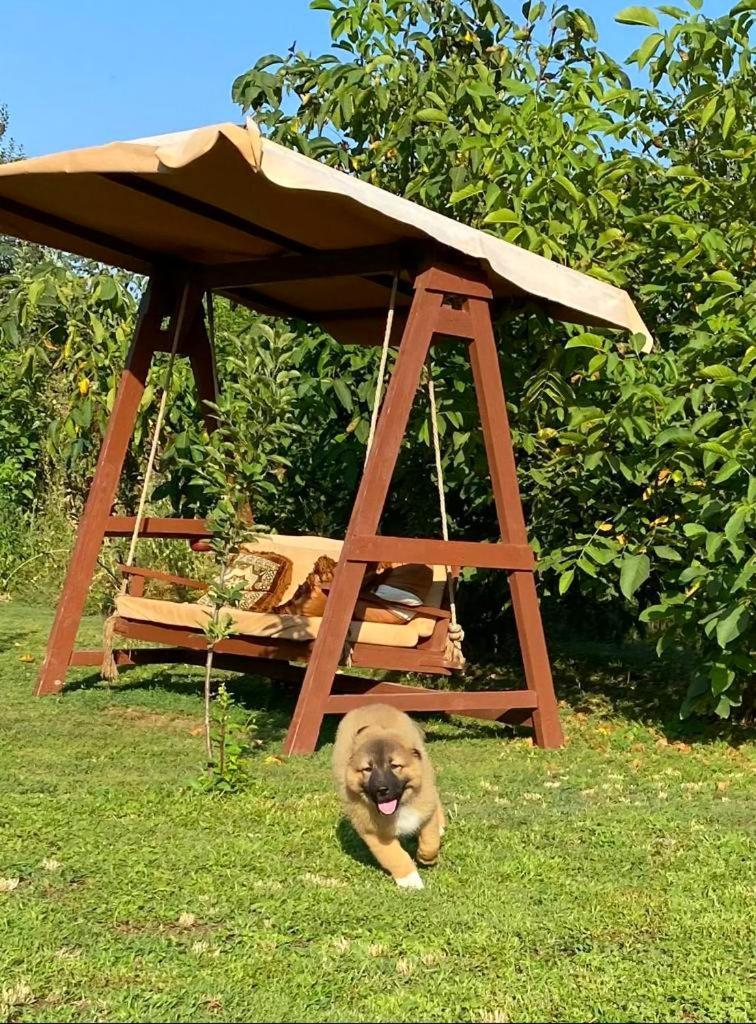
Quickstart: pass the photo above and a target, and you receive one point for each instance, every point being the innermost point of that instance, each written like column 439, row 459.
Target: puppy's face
column 384, row 772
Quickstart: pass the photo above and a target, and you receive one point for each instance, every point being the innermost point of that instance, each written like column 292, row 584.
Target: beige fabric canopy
column 223, row 194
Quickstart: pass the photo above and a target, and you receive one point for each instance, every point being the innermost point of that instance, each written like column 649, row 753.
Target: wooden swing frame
column 449, row 302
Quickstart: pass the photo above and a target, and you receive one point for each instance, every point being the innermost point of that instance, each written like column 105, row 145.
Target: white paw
column 411, row 881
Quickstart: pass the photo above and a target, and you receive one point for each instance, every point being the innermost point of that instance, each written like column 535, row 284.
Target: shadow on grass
column 271, row 701
column 627, row 680
column 594, row 678
column 354, row 847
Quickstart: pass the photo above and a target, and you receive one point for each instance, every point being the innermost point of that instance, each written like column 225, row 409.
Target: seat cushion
column 302, row 553
column 268, row 624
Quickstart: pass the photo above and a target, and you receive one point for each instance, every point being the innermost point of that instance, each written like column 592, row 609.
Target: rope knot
column 456, row 634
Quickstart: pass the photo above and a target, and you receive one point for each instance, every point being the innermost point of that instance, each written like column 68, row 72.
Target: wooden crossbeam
column 515, row 557
column 373, row 259
column 155, row 526
column 209, row 211
column 438, row 700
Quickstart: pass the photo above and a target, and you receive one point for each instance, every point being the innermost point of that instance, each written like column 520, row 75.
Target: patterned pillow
column 265, row 576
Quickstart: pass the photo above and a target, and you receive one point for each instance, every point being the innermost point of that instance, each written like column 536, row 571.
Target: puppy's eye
column 367, row 768
column 396, row 767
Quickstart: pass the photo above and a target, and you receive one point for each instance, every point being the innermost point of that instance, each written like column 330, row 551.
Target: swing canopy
column 211, row 200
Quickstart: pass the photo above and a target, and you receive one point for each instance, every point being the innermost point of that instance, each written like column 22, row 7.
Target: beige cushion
column 303, row 552
column 267, row 624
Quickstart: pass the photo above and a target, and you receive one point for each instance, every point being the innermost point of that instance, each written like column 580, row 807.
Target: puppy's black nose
column 382, row 791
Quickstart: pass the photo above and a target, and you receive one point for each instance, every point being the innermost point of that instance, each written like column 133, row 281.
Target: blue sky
column 84, row 72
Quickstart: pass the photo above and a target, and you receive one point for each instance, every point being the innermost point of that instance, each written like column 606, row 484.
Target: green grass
column 611, row 881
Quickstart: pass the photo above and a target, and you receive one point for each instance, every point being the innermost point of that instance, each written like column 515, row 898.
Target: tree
column 638, row 471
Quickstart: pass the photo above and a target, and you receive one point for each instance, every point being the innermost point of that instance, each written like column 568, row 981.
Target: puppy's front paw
column 410, row 881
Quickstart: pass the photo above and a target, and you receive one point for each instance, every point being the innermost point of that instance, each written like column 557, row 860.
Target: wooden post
column 158, row 301
column 484, row 360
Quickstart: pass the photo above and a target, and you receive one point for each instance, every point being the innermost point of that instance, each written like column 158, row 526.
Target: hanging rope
column 109, row 669
column 377, row 397
column 455, row 634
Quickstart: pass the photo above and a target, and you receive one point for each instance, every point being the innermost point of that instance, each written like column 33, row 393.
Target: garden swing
column 223, row 210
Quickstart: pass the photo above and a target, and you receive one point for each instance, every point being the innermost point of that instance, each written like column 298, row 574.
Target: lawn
column 611, row 881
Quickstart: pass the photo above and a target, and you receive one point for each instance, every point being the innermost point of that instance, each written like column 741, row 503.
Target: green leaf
column 637, row 16
column 648, row 48
column 709, row 111
column 502, row 216
column 473, row 189
column 722, row 710
column 586, row 340
column 664, row 551
column 431, row 115
column 567, row 187
column 717, row 371
column 736, row 522
column 724, row 277
column 634, row 571
column 694, row 530
column 674, row 435
column 516, row 87
column 714, row 542
column 565, row 581
column 729, row 469
column 727, row 121
column 732, row 625
column 106, row 289
column 343, row 394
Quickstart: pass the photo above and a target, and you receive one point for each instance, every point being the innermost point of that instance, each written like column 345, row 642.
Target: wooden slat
column 455, row 322
column 389, row 659
column 163, row 577
column 454, row 281
column 209, row 211
column 372, row 259
column 440, row 700
column 154, row 526
column 516, row 557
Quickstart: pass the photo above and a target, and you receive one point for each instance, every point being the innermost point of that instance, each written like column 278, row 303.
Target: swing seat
column 133, row 609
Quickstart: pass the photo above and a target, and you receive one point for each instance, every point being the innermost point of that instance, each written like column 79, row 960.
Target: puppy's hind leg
column 394, row 859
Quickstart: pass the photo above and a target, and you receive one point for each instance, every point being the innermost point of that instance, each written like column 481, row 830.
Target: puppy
column 388, row 789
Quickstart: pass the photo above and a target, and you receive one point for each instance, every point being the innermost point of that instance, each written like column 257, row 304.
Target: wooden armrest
column 162, row 577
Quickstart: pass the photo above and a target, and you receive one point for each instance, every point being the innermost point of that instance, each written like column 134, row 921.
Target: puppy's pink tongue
column 388, row 806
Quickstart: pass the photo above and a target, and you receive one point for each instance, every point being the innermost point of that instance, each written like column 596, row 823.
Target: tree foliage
column 638, row 470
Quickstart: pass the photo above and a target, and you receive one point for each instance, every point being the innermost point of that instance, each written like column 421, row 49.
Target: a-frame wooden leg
column 158, row 301
column 371, row 497
column 201, row 354
column 486, row 371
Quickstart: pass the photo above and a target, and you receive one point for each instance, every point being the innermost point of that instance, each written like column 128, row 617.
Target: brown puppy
column 388, row 789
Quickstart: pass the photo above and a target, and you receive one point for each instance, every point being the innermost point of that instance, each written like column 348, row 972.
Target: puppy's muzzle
column 385, row 790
